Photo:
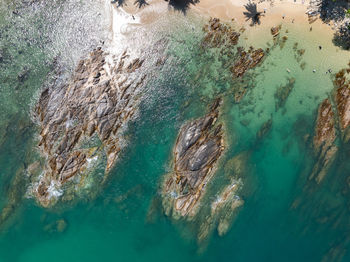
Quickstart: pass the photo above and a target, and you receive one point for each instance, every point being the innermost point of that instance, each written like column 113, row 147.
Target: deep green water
column 107, row 229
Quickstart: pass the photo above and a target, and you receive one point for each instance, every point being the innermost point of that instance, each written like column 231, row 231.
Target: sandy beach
column 293, row 13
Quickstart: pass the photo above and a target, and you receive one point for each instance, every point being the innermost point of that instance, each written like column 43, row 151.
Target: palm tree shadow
column 140, row 3
column 179, row 5
column 182, row 5
column 118, row 2
column 252, row 13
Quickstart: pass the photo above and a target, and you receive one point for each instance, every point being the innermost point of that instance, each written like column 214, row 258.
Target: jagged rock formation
column 81, row 123
column 219, row 34
column 325, row 196
column 224, row 208
column 323, row 141
column 328, row 121
column 226, row 202
column 247, row 60
column 196, row 152
column 342, row 99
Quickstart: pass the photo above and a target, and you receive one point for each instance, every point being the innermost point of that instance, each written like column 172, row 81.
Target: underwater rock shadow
column 252, row 13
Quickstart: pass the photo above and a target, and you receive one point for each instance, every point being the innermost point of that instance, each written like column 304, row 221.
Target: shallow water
column 114, row 226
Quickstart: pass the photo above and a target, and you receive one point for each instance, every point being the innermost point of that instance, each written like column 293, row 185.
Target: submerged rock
column 283, row 92
column 264, row 129
column 196, row 152
column 58, row 226
column 247, row 60
column 81, row 123
column 15, row 197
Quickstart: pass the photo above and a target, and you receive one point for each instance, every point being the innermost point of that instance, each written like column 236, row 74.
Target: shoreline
column 284, row 12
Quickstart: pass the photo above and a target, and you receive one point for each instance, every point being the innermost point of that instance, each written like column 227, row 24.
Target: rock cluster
column 81, row 123
column 223, row 39
column 323, row 141
column 275, row 30
column 219, row 34
column 224, row 208
column 342, row 99
column 247, row 60
column 330, row 119
column 196, row 152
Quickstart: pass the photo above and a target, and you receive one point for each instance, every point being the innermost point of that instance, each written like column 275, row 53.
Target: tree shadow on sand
column 336, row 11
column 333, row 10
column 118, row 2
column 179, row 5
column 140, row 3
column 182, row 5
column 252, row 14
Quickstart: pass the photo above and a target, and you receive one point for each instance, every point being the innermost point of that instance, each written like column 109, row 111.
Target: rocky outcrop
column 226, row 203
column 330, row 119
column 224, row 208
column 342, row 99
column 275, row 31
column 81, row 123
column 219, row 34
column 323, row 141
column 247, row 60
column 196, row 152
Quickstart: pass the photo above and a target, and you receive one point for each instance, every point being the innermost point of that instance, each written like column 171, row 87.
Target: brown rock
column 94, row 104
column 198, row 147
column 323, row 141
column 247, row 61
column 275, row 31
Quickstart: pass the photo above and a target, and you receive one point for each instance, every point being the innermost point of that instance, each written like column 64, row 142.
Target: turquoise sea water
column 117, row 226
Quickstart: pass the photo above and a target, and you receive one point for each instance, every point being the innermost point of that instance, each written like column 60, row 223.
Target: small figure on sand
column 310, row 28
column 133, row 17
column 283, row 16
column 320, row 47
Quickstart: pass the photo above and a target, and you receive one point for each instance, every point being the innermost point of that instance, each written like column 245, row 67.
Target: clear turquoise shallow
column 104, row 229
